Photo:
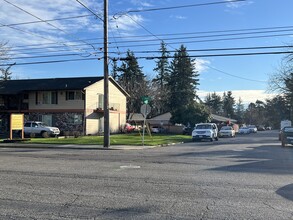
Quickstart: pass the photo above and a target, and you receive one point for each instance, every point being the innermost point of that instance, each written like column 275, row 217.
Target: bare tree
column 277, row 81
column 4, row 57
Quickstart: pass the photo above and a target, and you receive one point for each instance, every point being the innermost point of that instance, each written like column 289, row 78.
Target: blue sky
column 181, row 23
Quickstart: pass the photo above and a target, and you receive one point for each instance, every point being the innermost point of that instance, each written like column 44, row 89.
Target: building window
column 75, row 119
column 101, row 101
column 25, row 96
column 50, row 98
column 74, row 95
column 47, row 119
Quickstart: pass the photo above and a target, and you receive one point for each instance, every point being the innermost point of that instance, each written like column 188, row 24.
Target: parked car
column 252, row 128
column 244, row 130
column 227, row 131
column 156, row 129
column 128, row 128
column 40, row 128
column 205, row 131
column 187, row 130
column 287, row 136
column 261, row 128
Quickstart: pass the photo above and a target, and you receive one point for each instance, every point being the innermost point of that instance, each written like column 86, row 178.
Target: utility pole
column 106, row 80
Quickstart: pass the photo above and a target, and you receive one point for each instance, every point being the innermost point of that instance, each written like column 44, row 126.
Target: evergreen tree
column 191, row 114
column 162, row 67
column 183, row 83
column 239, row 111
column 228, row 105
column 276, row 110
column 214, row 103
column 133, row 81
column 114, row 72
column 161, row 92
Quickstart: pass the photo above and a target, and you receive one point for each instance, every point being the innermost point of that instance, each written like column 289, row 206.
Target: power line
column 44, row 56
column 239, row 77
column 51, row 61
column 212, row 40
column 27, row 12
column 148, row 30
column 40, row 36
column 157, row 51
column 186, row 42
column 172, row 34
column 158, row 57
column 219, row 55
column 91, row 11
column 177, row 7
column 168, row 39
column 35, row 22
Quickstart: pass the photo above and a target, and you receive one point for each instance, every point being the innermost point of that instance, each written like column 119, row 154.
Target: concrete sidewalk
column 74, row 146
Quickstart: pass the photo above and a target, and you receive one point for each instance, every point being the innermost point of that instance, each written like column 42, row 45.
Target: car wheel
column 283, row 144
column 45, row 134
column 32, row 135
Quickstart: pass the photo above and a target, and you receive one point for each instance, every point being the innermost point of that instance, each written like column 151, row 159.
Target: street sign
column 145, row 99
column 145, row 109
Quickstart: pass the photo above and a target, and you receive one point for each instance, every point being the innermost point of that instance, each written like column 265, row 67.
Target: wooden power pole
column 106, row 80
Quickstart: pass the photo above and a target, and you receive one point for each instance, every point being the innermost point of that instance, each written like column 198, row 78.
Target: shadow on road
column 257, row 159
column 286, row 192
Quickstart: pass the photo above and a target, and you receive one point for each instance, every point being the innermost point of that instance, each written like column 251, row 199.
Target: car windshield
column 42, row 124
column 288, row 129
column 226, row 128
column 204, row 127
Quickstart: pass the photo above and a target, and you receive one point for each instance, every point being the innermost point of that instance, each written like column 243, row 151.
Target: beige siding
column 93, row 98
column 63, row 104
column 117, row 102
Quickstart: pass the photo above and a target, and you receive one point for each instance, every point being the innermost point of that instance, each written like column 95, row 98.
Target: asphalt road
column 247, row 177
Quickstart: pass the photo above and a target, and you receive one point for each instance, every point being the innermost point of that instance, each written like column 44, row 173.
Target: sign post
column 145, row 109
column 16, row 123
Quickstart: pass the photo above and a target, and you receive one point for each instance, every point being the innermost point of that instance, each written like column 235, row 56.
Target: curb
column 74, row 147
column 82, row 147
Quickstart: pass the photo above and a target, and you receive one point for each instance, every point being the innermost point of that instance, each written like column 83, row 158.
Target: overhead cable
column 158, row 57
column 176, row 7
column 29, row 13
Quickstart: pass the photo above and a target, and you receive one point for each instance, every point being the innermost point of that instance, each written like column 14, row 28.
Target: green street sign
column 145, row 99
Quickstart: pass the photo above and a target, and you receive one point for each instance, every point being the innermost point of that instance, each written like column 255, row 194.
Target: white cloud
column 232, row 4
column 127, row 22
column 247, row 96
column 66, row 31
column 141, row 3
column 201, row 64
column 41, row 32
column 179, row 17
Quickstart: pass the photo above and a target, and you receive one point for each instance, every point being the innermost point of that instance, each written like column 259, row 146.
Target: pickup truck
column 39, row 128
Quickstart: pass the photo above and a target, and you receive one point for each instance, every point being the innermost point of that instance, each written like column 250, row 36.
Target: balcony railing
column 112, row 107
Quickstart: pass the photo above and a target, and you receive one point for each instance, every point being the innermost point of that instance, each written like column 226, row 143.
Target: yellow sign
column 16, row 121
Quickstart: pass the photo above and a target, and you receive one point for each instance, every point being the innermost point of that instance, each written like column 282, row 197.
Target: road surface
column 247, row 177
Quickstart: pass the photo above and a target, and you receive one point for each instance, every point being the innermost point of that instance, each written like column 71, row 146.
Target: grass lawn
column 117, row 139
